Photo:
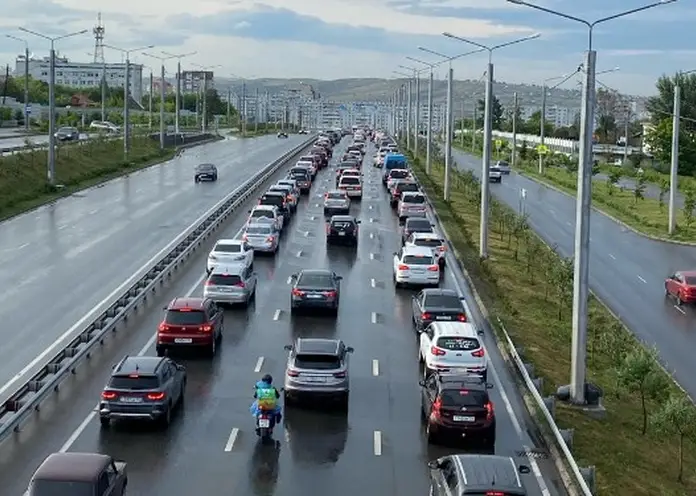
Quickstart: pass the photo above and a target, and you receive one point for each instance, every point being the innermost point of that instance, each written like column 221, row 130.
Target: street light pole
column 487, row 134
column 162, row 94
column 674, row 168
column 513, row 157
column 416, row 78
column 584, row 201
column 52, row 99
column 27, row 113
column 429, row 138
column 152, row 89
column 205, row 69
column 178, row 85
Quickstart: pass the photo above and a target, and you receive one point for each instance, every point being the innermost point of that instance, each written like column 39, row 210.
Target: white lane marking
column 377, row 443
column 372, row 220
column 374, row 317
column 612, row 256
column 680, row 310
column 316, row 205
column 289, row 281
column 231, row 440
column 372, row 256
column 643, row 280
column 16, row 248
column 373, row 283
column 372, row 235
column 259, row 364
column 150, row 342
column 276, row 315
column 306, row 234
column 375, row 368
column 370, row 207
column 298, row 254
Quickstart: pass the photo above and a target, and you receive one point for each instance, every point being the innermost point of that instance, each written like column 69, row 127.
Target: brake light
column 297, row 292
column 433, row 268
column 437, row 405
column 442, row 248
column 479, row 353
column 245, row 238
column 270, row 239
column 489, row 410
column 108, row 395
column 426, row 316
column 461, row 317
column 330, row 294
column 437, row 351
column 155, row 396
column 293, row 373
column 340, row 375
column 494, row 493
column 328, row 228
column 403, row 267
column 163, row 327
column 206, row 328
column 208, row 283
column 240, row 284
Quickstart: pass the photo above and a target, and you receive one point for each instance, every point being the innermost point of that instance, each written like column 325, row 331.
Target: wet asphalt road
column 211, row 447
column 627, row 271
column 61, row 260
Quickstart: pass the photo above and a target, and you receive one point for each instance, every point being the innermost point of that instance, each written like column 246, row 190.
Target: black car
column 415, row 224
column 303, row 178
column 282, row 135
column 317, row 289
column 436, row 304
column 457, row 406
column 205, row 172
column 67, row 134
column 342, row 229
column 276, row 199
column 143, row 388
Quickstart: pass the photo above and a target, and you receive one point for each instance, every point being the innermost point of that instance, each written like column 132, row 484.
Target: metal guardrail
column 105, row 318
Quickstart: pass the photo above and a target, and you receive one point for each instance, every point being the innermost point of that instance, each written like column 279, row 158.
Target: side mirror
column 113, row 366
column 524, row 469
column 421, row 383
column 358, row 222
column 434, row 465
column 489, row 385
column 288, row 347
column 350, row 349
column 339, row 278
column 479, row 332
column 165, row 308
column 294, row 276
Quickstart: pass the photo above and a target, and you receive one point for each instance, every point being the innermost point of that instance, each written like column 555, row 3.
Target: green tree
column 613, row 179
column 661, row 105
column 639, row 189
column 664, row 188
column 563, row 281
column 677, row 417
column 660, row 141
column 689, row 206
column 496, row 111
column 607, row 106
column 640, row 373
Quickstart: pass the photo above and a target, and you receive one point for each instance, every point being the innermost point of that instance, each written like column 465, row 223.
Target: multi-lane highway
column 377, row 449
column 61, row 260
column 627, row 271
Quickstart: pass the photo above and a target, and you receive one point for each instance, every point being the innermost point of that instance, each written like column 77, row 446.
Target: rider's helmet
column 268, row 379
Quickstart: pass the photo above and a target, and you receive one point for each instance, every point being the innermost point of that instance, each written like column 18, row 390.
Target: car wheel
column 161, row 351
column 215, row 177
column 212, row 348
column 196, row 180
column 429, row 434
column 484, row 376
column 166, row 419
column 105, row 422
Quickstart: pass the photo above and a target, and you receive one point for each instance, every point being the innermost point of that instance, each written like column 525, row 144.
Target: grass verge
column 529, row 287
column 23, row 183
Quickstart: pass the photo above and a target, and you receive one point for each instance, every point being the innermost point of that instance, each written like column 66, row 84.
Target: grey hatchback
column 317, row 367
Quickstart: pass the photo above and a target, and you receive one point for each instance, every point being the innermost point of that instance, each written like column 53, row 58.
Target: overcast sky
column 332, row 39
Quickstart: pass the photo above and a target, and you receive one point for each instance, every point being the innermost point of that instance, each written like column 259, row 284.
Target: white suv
column 411, row 204
column 104, row 126
column 429, row 240
column 452, row 347
column 416, row 265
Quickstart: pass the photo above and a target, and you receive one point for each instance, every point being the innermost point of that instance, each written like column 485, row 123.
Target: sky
column 334, row 39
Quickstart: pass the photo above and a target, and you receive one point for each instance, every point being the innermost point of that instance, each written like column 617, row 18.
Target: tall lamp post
column 126, row 92
column 52, row 99
column 27, row 112
column 429, row 138
column 178, row 57
column 487, row 133
column 162, row 92
column 205, row 69
column 577, row 390
column 416, row 117
column 407, row 120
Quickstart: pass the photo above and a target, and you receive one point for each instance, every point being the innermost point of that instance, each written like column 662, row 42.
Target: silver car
column 503, row 167
column 230, row 284
column 317, row 367
column 336, row 202
column 262, row 237
column 411, row 204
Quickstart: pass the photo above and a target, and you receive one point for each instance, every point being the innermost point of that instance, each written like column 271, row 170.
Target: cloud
column 242, row 25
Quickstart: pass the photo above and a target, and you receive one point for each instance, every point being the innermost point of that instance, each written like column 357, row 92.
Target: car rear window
column 224, row 279
column 137, row 383
column 398, row 174
column 256, row 214
column 407, row 187
column 417, row 260
column 315, row 280
column 350, row 180
column 420, row 225
column 316, row 362
column 430, row 243
column 462, row 398
column 185, row 317
column 341, row 223
column 442, row 301
column 690, row 280
column 61, row 488
column 227, row 248
column 272, row 200
column 259, row 230
column 419, row 199
column 205, row 167
column 456, row 343
column 338, row 195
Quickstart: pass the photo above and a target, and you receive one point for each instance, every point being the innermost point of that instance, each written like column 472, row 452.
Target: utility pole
column 450, row 131
column 256, row 111
column 177, row 98
column 152, row 89
column 674, row 166
column 515, row 110
column 27, row 108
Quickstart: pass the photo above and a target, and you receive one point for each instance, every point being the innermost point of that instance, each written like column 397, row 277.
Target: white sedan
column 230, row 250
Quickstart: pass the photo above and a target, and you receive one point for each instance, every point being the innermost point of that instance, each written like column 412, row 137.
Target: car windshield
column 350, row 180
column 456, row 343
column 429, row 242
column 462, row 398
column 316, row 362
column 315, row 281
column 417, row 260
column 135, row 382
column 336, row 195
column 442, row 301
column 61, row 488
column 503, row 164
column 185, row 317
column 258, row 213
column 227, row 248
column 414, row 199
column 224, row 280
column 206, row 167
column 264, row 230
column 65, row 130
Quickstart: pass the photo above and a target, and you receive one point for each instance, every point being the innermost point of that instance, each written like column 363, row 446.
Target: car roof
column 286, row 180
column 284, row 187
column 336, row 191
column 228, row 242
column 265, row 225
column 206, row 165
column 461, row 329
column 71, row 466
column 691, row 273
column 461, row 380
column 425, row 235
column 265, row 207
column 488, row 472
column 411, row 193
column 138, row 364
column 228, row 269
column 418, row 220
column 186, row 302
column 351, row 170
column 317, row 346
column 342, row 218
column 439, row 291
column 272, row 193
column 418, row 250
column 315, row 272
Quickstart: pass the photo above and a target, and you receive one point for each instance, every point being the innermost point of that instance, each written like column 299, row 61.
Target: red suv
column 190, row 322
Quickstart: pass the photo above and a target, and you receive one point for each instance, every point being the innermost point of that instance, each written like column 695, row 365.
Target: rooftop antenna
column 99, row 32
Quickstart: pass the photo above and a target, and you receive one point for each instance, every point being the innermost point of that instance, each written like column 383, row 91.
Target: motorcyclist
column 266, row 398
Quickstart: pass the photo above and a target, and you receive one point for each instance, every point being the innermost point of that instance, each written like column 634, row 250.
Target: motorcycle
column 265, row 422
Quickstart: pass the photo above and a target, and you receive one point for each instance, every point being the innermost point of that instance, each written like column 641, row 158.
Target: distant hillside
column 383, row 89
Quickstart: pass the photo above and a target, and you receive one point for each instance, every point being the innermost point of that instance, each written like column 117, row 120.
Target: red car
column 682, row 285
column 190, row 322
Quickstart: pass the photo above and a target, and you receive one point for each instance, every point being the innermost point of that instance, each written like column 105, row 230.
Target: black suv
column 458, row 475
column 342, row 229
column 457, row 406
column 143, row 388
column 276, row 199
column 205, row 172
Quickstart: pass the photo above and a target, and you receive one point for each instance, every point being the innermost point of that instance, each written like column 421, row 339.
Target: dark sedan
column 437, row 305
column 205, row 172
column 67, row 134
column 317, row 289
column 342, row 229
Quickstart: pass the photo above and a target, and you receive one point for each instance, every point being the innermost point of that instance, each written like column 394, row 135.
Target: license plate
column 341, row 234
column 183, row 340
column 314, row 296
column 315, row 379
column 264, row 423
column 130, row 399
column 459, row 418
column 443, row 317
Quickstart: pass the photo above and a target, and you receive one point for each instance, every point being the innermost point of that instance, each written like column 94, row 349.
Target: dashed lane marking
column 377, row 443
column 259, row 364
column 231, row 440
column 642, row 280
column 374, row 317
column 276, row 315
column 375, row 368
column 373, row 283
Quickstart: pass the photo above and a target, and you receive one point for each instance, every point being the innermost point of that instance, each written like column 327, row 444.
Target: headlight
column 212, row 257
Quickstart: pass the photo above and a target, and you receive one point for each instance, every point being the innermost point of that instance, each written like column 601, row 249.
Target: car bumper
column 117, row 411
column 354, row 194
column 294, row 389
column 412, row 213
column 235, row 297
column 424, row 279
column 342, row 239
column 481, row 370
column 318, row 304
column 183, row 340
column 264, row 247
column 337, row 210
column 451, row 430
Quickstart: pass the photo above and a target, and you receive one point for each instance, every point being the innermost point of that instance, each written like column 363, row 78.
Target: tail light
column 270, row 239
column 208, row 283
column 330, row 294
column 426, row 316
column 442, row 248
column 155, row 396
column 437, row 351
column 461, row 317
column 240, row 284
column 403, row 267
column 340, row 375
column 479, row 353
column 328, row 228
column 437, row 405
column 293, row 373
column 245, row 238
column 206, row 328
column 297, row 292
column 163, row 327
column 108, row 395
column 489, row 411
column 494, row 493
column 433, row 268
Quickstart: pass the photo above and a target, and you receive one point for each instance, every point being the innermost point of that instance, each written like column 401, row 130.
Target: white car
column 452, row 347
column 503, row 167
column 411, row 204
column 230, row 251
column 309, row 165
column 352, row 185
column 494, row 175
column 416, row 265
column 429, row 240
column 397, row 174
column 104, row 126
column 266, row 214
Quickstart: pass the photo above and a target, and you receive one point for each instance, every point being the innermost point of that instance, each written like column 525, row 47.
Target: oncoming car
column 205, row 172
